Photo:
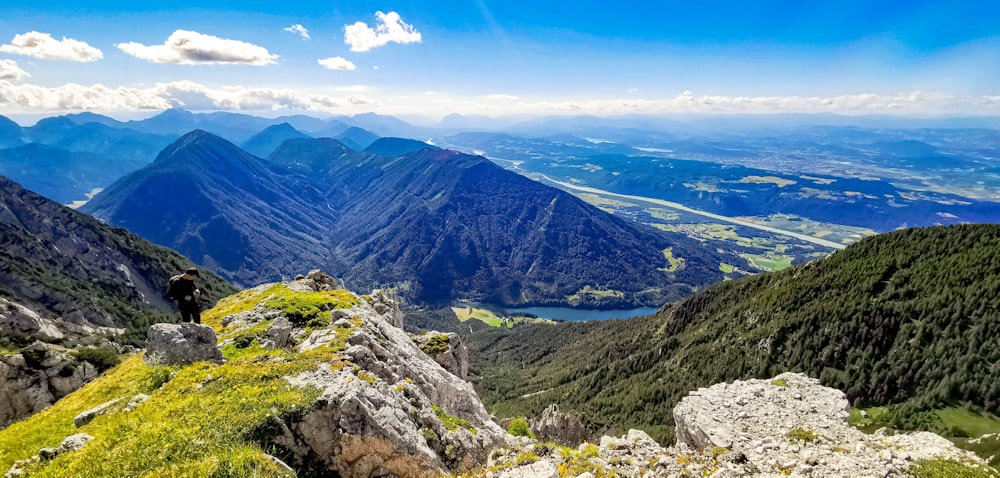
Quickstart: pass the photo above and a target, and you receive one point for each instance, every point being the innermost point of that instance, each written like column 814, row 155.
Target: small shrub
column 779, row 382
column 158, row 376
column 803, row 435
column 100, row 357
column 940, row 468
column 435, row 345
column 451, row 422
column 519, row 428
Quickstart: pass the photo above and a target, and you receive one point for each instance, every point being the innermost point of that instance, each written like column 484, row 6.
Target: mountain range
column 438, row 224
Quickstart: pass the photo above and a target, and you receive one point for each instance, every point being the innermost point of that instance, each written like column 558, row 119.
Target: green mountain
column 76, row 272
column 909, row 318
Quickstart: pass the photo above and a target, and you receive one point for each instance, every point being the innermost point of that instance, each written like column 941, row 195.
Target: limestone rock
column 88, row 416
column 36, row 377
column 75, row 442
column 447, row 350
column 562, row 428
column 787, row 426
column 393, row 412
column 177, row 344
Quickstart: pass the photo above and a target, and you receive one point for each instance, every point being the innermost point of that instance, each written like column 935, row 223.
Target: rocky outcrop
column 179, row 344
column 22, row 324
column 385, row 408
column 36, row 377
column 446, row 349
column 562, row 428
column 790, row 425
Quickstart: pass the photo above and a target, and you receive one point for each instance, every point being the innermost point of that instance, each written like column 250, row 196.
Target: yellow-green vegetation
column 436, row 344
column 675, row 262
column 726, row 268
column 200, row 420
column 968, row 422
column 802, row 435
column 780, row 182
column 519, row 428
column 663, row 214
column 769, row 261
column 451, row 422
column 102, row 358
column 779, row 382
column 599, row 201
column 870, row 419
column 582, row 294
column 303, row 307
column 490, row 318
column 950, row 469
column 484, row 315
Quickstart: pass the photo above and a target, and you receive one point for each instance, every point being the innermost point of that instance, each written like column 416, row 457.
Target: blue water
column 578, row 315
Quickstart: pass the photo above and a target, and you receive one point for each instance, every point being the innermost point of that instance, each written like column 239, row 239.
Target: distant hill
column 308, row 156
column 906, row 318
column 221, row 206
column 74, row 271
column 11, row 133
column 439, row 224
column 265, row 142
column 357, row 138
column 395, row 147
column 65, row 160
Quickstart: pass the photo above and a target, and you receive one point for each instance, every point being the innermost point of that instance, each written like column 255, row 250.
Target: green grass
column 971, row 423
column 770, row 262
column 201, row 420
column 726, row 268
column 451, row 422
column 675, row 262
column 950, row 469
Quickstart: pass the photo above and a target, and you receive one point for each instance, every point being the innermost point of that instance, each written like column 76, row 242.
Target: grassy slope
column 201, row 419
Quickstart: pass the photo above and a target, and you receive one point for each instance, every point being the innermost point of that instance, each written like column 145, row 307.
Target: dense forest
column 909, row 319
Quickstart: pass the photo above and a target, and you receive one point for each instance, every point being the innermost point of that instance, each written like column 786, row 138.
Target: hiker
column 186, row 293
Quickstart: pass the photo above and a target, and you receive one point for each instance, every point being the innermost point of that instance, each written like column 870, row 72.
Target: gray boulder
column 563, row 428
column 179, row 344
column 447, row 350
column 37, row 377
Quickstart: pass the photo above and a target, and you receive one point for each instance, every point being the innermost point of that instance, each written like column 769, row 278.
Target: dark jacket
column 183, row 291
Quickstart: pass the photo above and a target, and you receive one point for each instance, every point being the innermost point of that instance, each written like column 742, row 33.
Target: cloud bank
column 193, row 48
column 186, row 94
column 362, row 38
column 337, row 64
column 42, row 45
column 10, row 71
column 22, row 97
column 299, row 30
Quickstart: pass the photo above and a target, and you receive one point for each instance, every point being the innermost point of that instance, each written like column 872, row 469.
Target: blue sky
column 497, row 58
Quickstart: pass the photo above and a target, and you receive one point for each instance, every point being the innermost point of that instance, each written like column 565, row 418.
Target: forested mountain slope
column 910, row 318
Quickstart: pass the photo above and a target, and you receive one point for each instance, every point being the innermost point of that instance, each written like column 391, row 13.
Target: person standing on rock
column 188, row 296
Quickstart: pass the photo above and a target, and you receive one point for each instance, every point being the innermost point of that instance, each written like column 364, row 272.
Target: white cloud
column 42, row 45
column 10, row 71
column 361, row 37
column 299, row 30
column 186, row 94
column 502, row 97
column 336, row 63
column 193, row 48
